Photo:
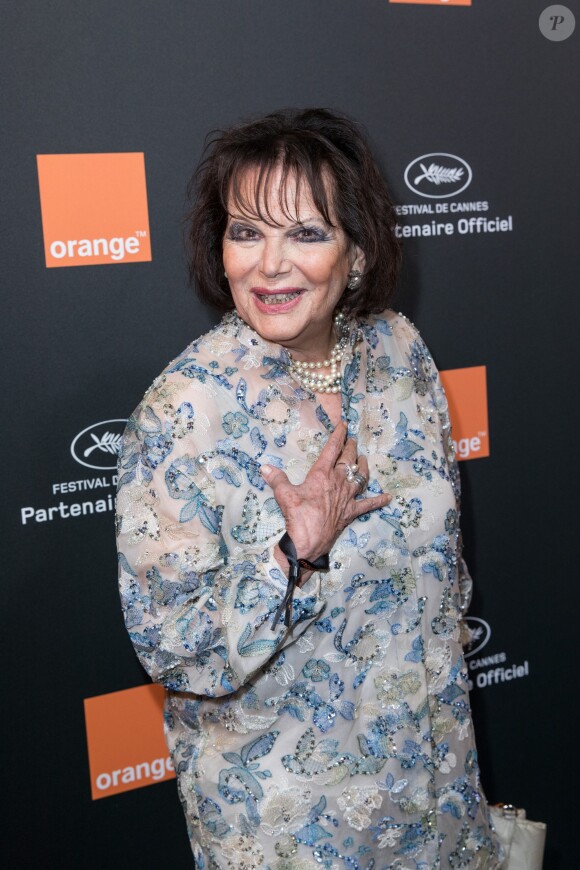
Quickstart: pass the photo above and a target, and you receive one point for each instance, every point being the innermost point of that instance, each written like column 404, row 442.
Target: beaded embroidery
column 341, row 741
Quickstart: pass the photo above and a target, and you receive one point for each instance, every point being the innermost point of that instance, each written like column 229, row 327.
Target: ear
column 357, row 259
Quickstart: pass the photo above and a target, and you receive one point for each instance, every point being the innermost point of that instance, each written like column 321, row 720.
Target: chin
column 277, row 327
column 279, row 334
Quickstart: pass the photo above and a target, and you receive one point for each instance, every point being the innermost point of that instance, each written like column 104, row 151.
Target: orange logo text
column 94, row 209
column 466, row 391
column 436, row 2
column 125, row 739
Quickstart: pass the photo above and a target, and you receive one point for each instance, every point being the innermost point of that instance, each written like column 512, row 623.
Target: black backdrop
column 81, row 344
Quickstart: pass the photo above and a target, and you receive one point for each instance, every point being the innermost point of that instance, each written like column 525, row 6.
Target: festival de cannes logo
column 479, row 632
column 438, row 175
column 98, row 445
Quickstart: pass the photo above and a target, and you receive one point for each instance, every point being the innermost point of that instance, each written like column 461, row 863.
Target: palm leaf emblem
column 108, row 443
column 474, row 635
column 439, row 174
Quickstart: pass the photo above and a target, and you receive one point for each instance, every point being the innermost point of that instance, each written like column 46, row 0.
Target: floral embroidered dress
column 345, row 740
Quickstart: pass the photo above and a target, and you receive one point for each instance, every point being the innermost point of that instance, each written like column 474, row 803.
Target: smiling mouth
column 278, row 298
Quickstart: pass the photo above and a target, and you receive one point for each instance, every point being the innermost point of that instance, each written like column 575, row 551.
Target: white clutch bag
column 523, row 841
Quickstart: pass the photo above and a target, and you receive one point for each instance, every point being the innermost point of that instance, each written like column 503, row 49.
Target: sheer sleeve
column 199, row 612
column 428, row 382
column 463, row 576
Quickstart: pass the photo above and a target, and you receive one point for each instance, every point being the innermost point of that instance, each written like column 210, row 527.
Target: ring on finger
column 360, row 480
column 350, row 470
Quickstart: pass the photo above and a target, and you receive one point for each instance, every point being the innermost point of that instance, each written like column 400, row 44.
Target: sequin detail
column 343, row 741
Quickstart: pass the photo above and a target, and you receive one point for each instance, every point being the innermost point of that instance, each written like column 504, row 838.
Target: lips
column 279, row 299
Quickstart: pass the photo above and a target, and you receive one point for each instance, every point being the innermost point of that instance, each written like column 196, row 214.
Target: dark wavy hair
column 310, row 145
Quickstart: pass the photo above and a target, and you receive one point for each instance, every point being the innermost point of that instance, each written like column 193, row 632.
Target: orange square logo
column 436, row 2
column 126, row 742
column 94, row 209
column 466, row 391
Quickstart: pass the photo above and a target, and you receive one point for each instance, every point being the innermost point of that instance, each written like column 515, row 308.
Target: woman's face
column 286, row 280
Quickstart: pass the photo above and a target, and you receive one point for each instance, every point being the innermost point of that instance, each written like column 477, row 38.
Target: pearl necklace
column 309, row 373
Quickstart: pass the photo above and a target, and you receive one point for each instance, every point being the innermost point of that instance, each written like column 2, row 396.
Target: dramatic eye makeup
column 237, row 232
column 241, row 232
column 306, row 233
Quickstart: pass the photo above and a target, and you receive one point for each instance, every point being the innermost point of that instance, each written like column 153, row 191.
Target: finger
column 363, row 472
column 365, row 505
column 348, row 463
column 274, row 477
column 363, row 466
column 349, row 453
column 333, row 447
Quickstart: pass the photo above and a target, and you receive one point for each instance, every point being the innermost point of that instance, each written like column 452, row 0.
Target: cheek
column 237, row 260
column 326, row 267
column 231, row 262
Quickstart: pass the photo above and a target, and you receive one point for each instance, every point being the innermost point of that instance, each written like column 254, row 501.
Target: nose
column 273, row 260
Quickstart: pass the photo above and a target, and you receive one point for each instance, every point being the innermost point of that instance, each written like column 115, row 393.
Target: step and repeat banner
column 472, row 113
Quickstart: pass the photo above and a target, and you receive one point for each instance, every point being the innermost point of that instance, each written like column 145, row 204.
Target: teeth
column 278, row 298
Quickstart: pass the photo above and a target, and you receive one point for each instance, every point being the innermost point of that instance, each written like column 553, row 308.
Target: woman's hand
column 317, row 510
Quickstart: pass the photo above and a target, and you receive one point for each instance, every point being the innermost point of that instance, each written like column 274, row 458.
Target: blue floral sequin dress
column 344, row 741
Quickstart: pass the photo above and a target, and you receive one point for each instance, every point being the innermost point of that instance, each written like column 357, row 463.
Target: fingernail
column 266, row 471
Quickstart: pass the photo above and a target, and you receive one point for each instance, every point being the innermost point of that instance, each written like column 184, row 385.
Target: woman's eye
column 310, row 234
column 238, row 233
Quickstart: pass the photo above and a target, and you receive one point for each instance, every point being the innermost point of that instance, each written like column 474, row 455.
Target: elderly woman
column 289, row 546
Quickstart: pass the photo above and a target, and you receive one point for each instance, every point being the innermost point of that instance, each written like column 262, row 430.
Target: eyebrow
column 256, row 219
